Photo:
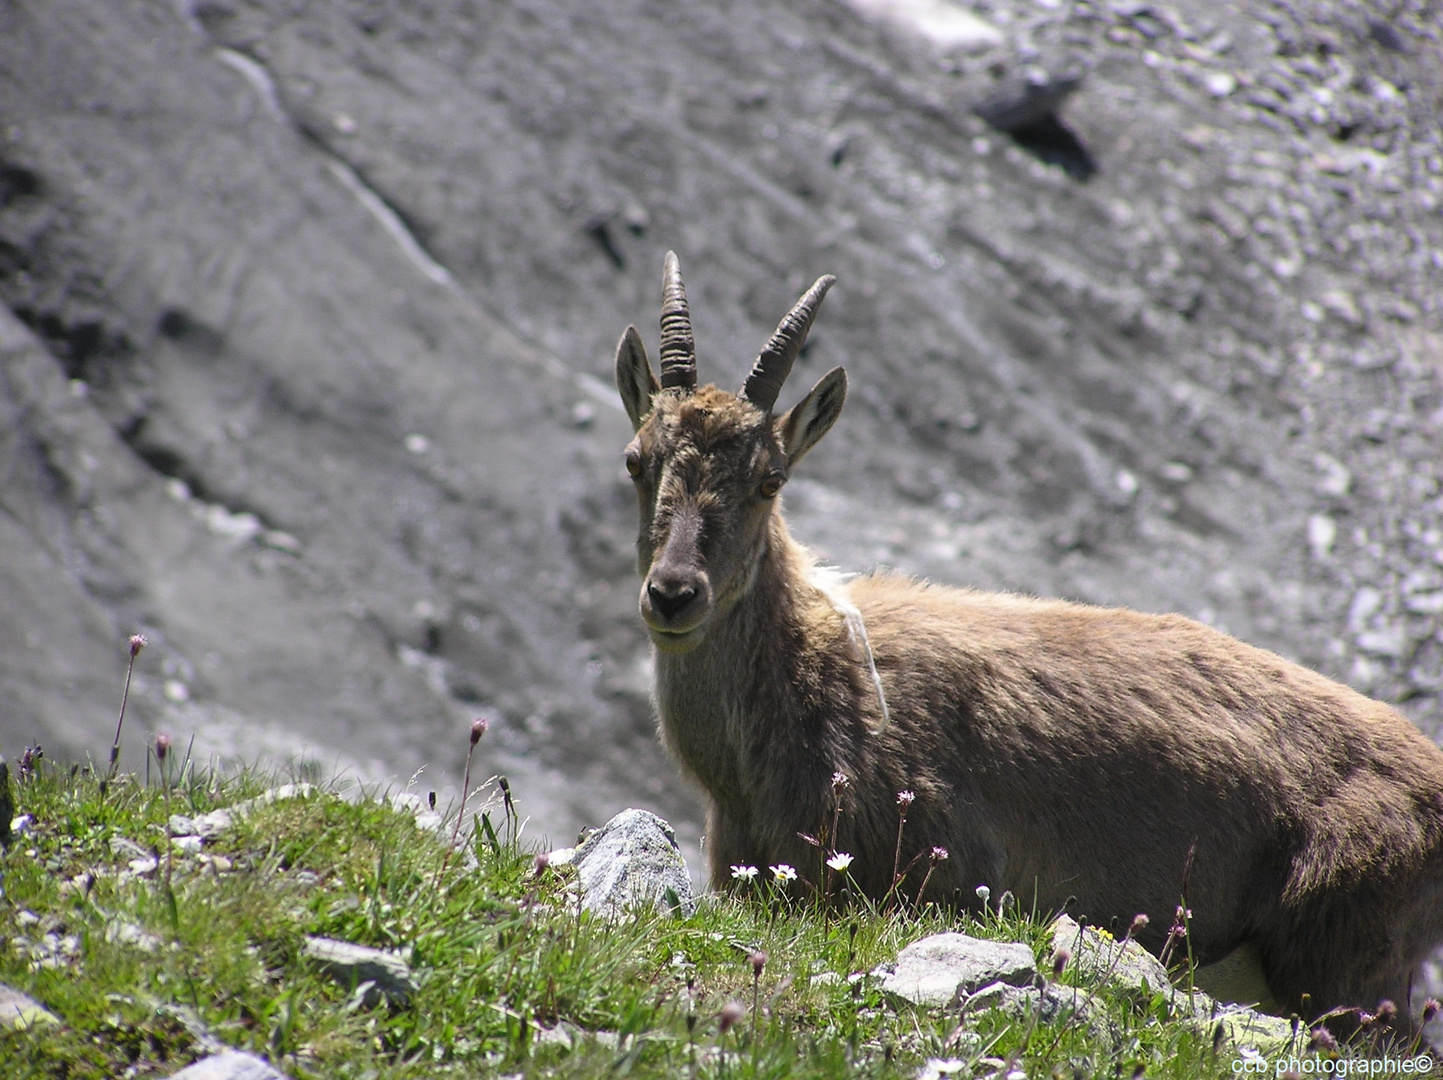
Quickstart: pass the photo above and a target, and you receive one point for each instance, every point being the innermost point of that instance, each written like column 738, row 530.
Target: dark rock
column 7, row 805
column 1024, row 101
column 1386, row 35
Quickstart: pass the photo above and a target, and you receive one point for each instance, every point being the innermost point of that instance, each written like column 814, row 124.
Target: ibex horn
column 774, row 363
column 678, row 350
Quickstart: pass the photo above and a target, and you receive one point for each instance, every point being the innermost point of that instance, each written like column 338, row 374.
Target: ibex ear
column 808, row 420
column 634, row 377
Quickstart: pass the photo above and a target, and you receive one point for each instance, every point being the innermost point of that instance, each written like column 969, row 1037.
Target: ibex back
column 1093, row 760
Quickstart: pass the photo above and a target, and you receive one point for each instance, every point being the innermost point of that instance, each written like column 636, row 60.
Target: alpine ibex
column 1093, row 760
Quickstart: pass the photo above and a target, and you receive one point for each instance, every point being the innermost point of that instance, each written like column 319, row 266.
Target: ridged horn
column 678, row 349
column 774, row 363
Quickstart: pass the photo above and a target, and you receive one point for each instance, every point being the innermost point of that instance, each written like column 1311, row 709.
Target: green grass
column 135, row 968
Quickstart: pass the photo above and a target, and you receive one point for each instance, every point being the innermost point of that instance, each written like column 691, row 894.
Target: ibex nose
column 670, row 598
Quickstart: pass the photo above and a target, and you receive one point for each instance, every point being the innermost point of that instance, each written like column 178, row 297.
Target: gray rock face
column 306, row 333
column 631, row 861
column 946, row 969
column 389, row 976
column 229, row 1065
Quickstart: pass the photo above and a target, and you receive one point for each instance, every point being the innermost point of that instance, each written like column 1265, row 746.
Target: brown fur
column 1073, row 755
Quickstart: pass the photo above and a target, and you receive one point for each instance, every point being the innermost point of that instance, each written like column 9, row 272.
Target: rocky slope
column 309, row 311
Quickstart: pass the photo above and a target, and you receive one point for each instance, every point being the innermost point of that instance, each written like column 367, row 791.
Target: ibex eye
column 633, row 464
column 771, row 485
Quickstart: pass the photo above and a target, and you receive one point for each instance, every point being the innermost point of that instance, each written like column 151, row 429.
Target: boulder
column 948, row 969
column 1099, row 956
column 1127, row 964
column 632, row 861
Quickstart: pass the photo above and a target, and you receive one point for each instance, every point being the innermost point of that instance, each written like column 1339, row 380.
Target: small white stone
column 240, row 527
column 1391, row 641
column 936, row 1068
column 1220, row 83
column 944, row 24
column 281, row 541
column 1322, row 534
column 1367, row 602
column 1336, row 479
column 1425, row 603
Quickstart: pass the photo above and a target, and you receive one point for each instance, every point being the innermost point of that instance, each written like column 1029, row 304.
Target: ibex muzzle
column 1095, row 760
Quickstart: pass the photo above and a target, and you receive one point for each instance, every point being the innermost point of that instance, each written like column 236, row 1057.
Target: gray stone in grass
column 129, row 849
column 389, row 976
column 1048, row 1003
column 189, row 1019
column 1124, row 964
column 1129, row 966
column 569, row 1037
column 229, row 1065
column 19, row 1010
column 123, row 932
column 631, row 862
column 408, row 802
column 946, row 969
column 218, row 821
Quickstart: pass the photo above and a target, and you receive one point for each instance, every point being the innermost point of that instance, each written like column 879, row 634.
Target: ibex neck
column 716, row 700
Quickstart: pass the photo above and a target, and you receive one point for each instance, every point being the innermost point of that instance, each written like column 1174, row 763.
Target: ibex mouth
column 679, row 635
column 677, row 641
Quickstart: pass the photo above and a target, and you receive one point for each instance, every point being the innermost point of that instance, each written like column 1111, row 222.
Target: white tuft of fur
column 832, row 583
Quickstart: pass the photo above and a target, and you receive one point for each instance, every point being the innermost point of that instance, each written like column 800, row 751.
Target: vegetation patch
column 151, row 951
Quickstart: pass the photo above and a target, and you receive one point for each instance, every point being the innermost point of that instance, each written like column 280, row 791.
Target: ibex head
column 708, row 464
